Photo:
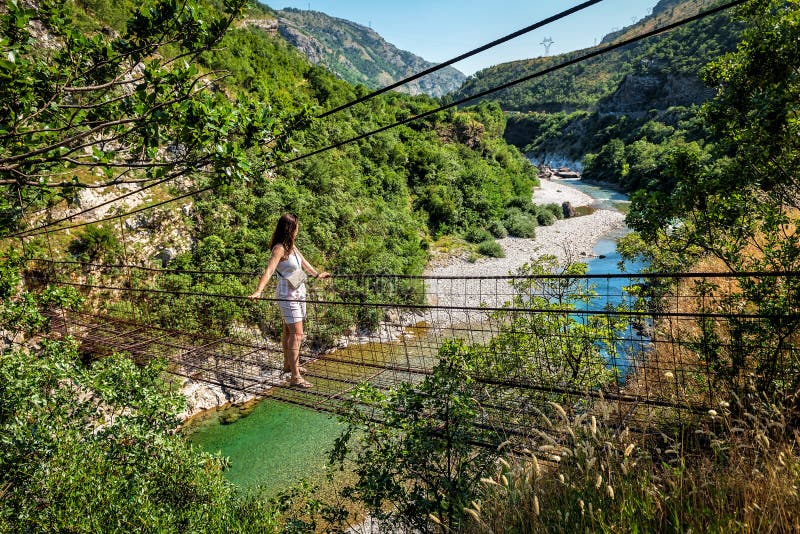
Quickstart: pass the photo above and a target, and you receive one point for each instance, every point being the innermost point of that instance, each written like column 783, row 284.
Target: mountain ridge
column 360, row 55
column 593, row 83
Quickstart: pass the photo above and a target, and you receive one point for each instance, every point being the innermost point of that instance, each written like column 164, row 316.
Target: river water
column 278, row 444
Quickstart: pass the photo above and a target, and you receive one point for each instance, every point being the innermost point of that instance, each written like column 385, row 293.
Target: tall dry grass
column 739, row 471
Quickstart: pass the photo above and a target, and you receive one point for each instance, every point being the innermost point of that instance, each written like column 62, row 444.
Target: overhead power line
column 487, row 46
column 359, row 100
column 538, row 74
column 578, row 59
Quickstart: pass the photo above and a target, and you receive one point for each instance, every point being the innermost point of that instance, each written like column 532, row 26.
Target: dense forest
column 448, row 174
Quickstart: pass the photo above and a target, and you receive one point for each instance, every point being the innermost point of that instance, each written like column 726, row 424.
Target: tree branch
column 4, row 162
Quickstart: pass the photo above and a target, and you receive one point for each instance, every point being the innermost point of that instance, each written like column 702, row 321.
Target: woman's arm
column 307, row 267
column 272, row 264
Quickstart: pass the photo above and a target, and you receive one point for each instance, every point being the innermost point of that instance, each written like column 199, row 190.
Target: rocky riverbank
column 568, row 240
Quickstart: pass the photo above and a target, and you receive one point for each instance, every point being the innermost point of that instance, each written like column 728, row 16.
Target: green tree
column 133, row 108
column 559, row 348
column 96, row 243
column 416, row 446
column 741, row 206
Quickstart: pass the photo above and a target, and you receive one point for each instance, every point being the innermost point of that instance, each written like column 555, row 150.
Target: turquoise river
column 278, row 444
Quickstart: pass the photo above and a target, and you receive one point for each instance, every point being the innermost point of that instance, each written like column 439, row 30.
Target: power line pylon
column 547, row 42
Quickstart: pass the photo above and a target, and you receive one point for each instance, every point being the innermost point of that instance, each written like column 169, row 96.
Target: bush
column 491, row 248
column 96, row 243
column 545, row 217
column 399, row 467
column 96, row 472
column 555, row 209
column 520, row 224
column 477, row 235
column 497, row 229
column 522, row 203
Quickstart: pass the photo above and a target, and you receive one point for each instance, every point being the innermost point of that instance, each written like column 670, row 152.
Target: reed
column 737, row 471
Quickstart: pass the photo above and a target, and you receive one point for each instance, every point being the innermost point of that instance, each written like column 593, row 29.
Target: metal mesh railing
column 652, row 346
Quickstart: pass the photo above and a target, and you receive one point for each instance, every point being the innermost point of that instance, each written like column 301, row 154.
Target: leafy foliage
column 94, row 448
column 741, row 205
column 416, row 446
column 133, row 108
column 553, row 349
column 96, row 243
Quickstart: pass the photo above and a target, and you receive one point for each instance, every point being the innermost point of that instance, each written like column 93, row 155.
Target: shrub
column 520, row 224
column 545, row 217
column 96, row 243
column 497, row 229
column 555, row 209
column 399, row 466
column 477, row 235
column 522, row 203
column 491, row 248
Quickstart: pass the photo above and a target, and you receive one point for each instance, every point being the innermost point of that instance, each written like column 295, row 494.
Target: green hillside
column 359, row 55
column 372, row 206
column 619, row 113
column 602, row 82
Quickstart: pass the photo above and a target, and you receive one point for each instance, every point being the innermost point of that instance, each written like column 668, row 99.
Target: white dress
column 292, row 302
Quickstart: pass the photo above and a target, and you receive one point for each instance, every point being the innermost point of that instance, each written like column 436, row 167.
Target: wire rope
column 584, row 57
column 474, row 51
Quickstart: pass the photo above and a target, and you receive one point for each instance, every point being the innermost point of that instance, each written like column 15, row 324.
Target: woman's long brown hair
column 284, row 232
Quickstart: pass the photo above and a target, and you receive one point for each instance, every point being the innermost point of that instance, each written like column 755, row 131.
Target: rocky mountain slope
column 652, row 74
column 359, row 55
column 647, row 91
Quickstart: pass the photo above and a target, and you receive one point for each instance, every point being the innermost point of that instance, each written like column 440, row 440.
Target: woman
column 285, row 260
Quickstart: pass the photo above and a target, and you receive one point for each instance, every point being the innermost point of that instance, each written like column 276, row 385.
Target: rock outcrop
column 268, row 25
column 639, row 93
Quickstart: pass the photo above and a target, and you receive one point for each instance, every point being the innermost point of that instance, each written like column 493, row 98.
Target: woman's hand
column 255, row 295
column 324, row 274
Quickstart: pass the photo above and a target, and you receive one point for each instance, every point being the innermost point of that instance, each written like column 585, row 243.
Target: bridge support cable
column 475, row 51
column 653, row 354
column 39, row 230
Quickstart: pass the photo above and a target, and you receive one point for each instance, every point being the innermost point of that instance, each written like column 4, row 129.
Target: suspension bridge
column 641, row 344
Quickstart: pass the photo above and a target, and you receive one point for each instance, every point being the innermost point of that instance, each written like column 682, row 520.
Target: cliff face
column 640, row 93
column 359, row 55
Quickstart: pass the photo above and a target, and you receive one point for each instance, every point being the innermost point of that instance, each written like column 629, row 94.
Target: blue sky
column 440, row 29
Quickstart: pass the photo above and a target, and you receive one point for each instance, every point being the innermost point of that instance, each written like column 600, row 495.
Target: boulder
column 165, row 255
